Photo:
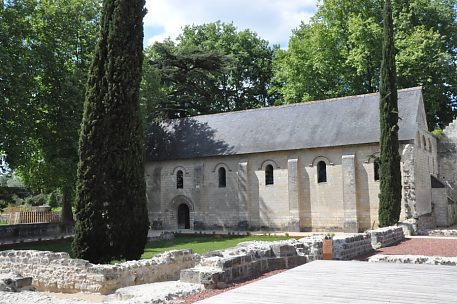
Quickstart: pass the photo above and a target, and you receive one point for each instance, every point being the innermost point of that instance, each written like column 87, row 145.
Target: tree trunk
column 66, row 215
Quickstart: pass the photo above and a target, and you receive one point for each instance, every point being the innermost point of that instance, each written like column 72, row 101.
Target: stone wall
column 387, row 236
column 346, row 247
column 447, row 160
column 29, row 232
column 250, row 259
column 414, row 259
column 440, row 206
column 347, row 201
column 350, row 246
column 57, row 272
column 426, row 221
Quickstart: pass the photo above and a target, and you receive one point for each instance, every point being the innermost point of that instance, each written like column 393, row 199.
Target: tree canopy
column 211, row 68
column 44, row 69
column 339, row 53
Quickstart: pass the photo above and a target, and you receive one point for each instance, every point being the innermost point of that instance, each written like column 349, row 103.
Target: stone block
column 295, row 261
column 283, row 250
column 208, row 276
column 276, row 263
column 255, row 269
column 14, row 282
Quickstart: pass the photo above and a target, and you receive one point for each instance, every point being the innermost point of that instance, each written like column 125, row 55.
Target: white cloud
column 272, row 20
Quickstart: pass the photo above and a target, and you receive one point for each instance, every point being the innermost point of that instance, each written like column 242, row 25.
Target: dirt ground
column 212, row 292
column 423, row 246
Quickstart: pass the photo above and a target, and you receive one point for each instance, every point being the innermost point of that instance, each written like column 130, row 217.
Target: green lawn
column 202, row 244
column 198, row 243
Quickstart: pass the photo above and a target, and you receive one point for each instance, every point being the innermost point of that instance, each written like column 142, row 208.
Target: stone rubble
column 387, row 236
column 347, row 247
column 57, row 272
column 155, row 293
column 13, row 282
column 29, row 297
column 217, row 269
column 414, row 259
column 439, row 232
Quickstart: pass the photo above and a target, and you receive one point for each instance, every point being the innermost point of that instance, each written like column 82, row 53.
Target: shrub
column 53, row 200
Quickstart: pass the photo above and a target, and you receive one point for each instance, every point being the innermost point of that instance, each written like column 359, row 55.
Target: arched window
column 429, row 146
column 269, row 180
column 222, row 177
column 424, row 142
column 179, row 179
column 376, row 170
column 321, row 172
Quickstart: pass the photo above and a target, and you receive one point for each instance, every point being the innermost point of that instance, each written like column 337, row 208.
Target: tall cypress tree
column 111, row 214
column 390, row 176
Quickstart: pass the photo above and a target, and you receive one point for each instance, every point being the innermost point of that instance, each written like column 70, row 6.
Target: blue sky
column 272, row 20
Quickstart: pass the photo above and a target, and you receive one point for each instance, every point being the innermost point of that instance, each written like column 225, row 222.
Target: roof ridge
column 302, row 103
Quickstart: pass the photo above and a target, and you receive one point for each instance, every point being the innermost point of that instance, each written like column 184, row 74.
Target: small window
column 376, row 170
column 269, row 180
column 222, row 177
column 321, row 172
column 424, row 142
column 179, row 180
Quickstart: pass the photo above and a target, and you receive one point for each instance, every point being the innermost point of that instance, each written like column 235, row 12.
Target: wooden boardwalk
column 349, row 282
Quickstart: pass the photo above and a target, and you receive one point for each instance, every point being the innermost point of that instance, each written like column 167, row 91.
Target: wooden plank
column 350, row 282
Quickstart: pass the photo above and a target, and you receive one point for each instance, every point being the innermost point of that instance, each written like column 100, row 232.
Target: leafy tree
column 16, row 77
column 390, row 176
column 190, row 81
column 112, row 220
column 339, row 53
column 47, row 63
column 238, row 67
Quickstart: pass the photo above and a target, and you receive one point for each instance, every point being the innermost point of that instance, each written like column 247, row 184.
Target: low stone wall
column 30, row 232
column 251, row 259
column 349, row 246
column 57, row 272
column 387, row 236
column 414, row 259
column 426, row 221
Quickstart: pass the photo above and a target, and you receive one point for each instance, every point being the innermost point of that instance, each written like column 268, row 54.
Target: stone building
column 300, row 167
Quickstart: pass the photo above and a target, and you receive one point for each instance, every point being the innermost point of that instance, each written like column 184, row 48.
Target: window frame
column 321, row 172
column 269, row 175
column 179, row 179
column 222, row 177
column 376, row 169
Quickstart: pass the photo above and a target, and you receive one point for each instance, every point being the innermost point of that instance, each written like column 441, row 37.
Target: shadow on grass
column 60, row 245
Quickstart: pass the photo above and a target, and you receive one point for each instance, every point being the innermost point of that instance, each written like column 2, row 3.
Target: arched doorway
column 183, row 217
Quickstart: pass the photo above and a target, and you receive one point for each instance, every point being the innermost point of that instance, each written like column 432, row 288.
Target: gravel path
column 423, row 246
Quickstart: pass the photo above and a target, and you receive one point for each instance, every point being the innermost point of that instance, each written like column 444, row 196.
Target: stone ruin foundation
column 57, row 272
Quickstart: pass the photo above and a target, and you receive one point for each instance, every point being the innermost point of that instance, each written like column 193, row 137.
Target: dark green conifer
column 111, row 215
column 390, row 176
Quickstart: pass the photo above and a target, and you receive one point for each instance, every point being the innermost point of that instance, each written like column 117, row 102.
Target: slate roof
column 333, row 122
